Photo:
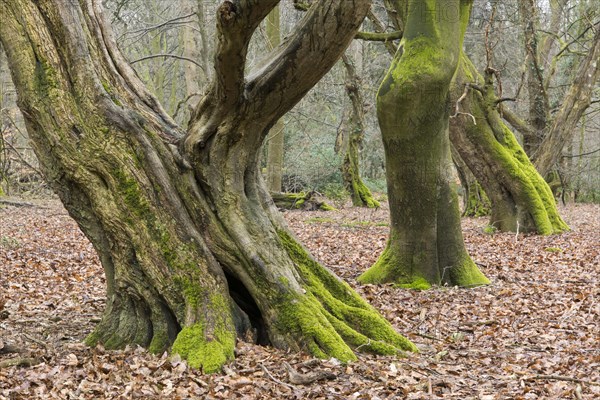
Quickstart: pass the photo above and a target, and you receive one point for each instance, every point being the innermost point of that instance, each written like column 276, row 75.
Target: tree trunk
column 352, row 135
column 538, row 99
column 275, row 139
column 575, row 103
column 426, row 245
column 195, row 47
column 521, row 199
column 475, row 201
column 191, row 243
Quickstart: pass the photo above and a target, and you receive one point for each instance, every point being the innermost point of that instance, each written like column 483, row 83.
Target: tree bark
column 275, row 139
column 521, row 199
column 475, row 201
column 192, row 245
column 538, row 99
column 574, row 104
column 352, row 135
column 425, row 246
column 195, row 47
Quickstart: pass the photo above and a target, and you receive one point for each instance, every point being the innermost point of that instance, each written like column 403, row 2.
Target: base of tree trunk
column 477, row 204
column 393, row 267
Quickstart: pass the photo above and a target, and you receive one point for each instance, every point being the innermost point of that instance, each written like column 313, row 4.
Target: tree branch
column 576, row 101
column 307, row 55
column 236, row 22
column 517, row 122
column 166, row 55
column 379, row 36
column 391, row 47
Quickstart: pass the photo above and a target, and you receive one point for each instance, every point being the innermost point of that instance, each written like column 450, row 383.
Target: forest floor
column 533, row 333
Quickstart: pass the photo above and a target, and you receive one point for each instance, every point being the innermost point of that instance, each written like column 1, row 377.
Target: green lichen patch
column 305, row 318
column 160, row 342
column 417, row 284
column 391, row 267
column 402, row 271
column 326, row 207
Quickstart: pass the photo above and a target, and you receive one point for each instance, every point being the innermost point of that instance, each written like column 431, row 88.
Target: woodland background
column 533, row 333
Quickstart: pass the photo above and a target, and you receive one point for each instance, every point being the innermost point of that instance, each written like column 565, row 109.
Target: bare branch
column 301, row 60
column 379, row 36
column 236, row 22
column 165, row 55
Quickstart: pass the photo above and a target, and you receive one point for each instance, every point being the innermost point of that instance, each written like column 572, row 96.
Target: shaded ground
column 534, row 333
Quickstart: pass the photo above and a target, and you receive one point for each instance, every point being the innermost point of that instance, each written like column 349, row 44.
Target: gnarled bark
column 426, row 245
column 191, row 243
column 521, row 199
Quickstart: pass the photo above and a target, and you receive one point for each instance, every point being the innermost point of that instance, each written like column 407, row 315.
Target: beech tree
column 193, row 249
column 521, row 200
column 275, row 139
column 425, row 246
column 510, row 174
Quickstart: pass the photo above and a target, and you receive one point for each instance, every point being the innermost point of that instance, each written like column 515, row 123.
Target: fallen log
column 308, row 201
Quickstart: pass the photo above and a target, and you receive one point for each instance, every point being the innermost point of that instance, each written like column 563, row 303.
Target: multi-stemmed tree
column 191, row 243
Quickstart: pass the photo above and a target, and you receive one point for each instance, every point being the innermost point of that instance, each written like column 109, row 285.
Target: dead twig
column 299, row 378
column 560, row 378
column 275, row 379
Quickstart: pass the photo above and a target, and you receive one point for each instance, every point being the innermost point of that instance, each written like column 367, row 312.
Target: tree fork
column 193, row 248
column 520, row 198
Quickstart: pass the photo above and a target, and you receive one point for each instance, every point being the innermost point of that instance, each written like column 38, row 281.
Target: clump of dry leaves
column 532, row 334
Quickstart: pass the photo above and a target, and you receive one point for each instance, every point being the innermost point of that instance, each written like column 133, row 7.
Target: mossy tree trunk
column 351, row 138
column 191, row 243
column 426, row 245
column 520, row 198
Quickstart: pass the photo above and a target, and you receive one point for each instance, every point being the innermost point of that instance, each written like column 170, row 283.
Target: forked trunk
column 521, row 199
column 426, row 245
column 191, row 243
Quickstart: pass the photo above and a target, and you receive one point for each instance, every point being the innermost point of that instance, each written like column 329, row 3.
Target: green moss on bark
column 160, row 342
column 333, row 316
column 209, row 354
column 391, row 266
column 478, row 203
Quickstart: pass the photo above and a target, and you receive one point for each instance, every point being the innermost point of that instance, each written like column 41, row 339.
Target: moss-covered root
column 393, row 267
column 208, row 352
column 362, row 196
column 332, row 320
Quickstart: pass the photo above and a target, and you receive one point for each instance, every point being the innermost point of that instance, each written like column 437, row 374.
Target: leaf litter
column 534, row 333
